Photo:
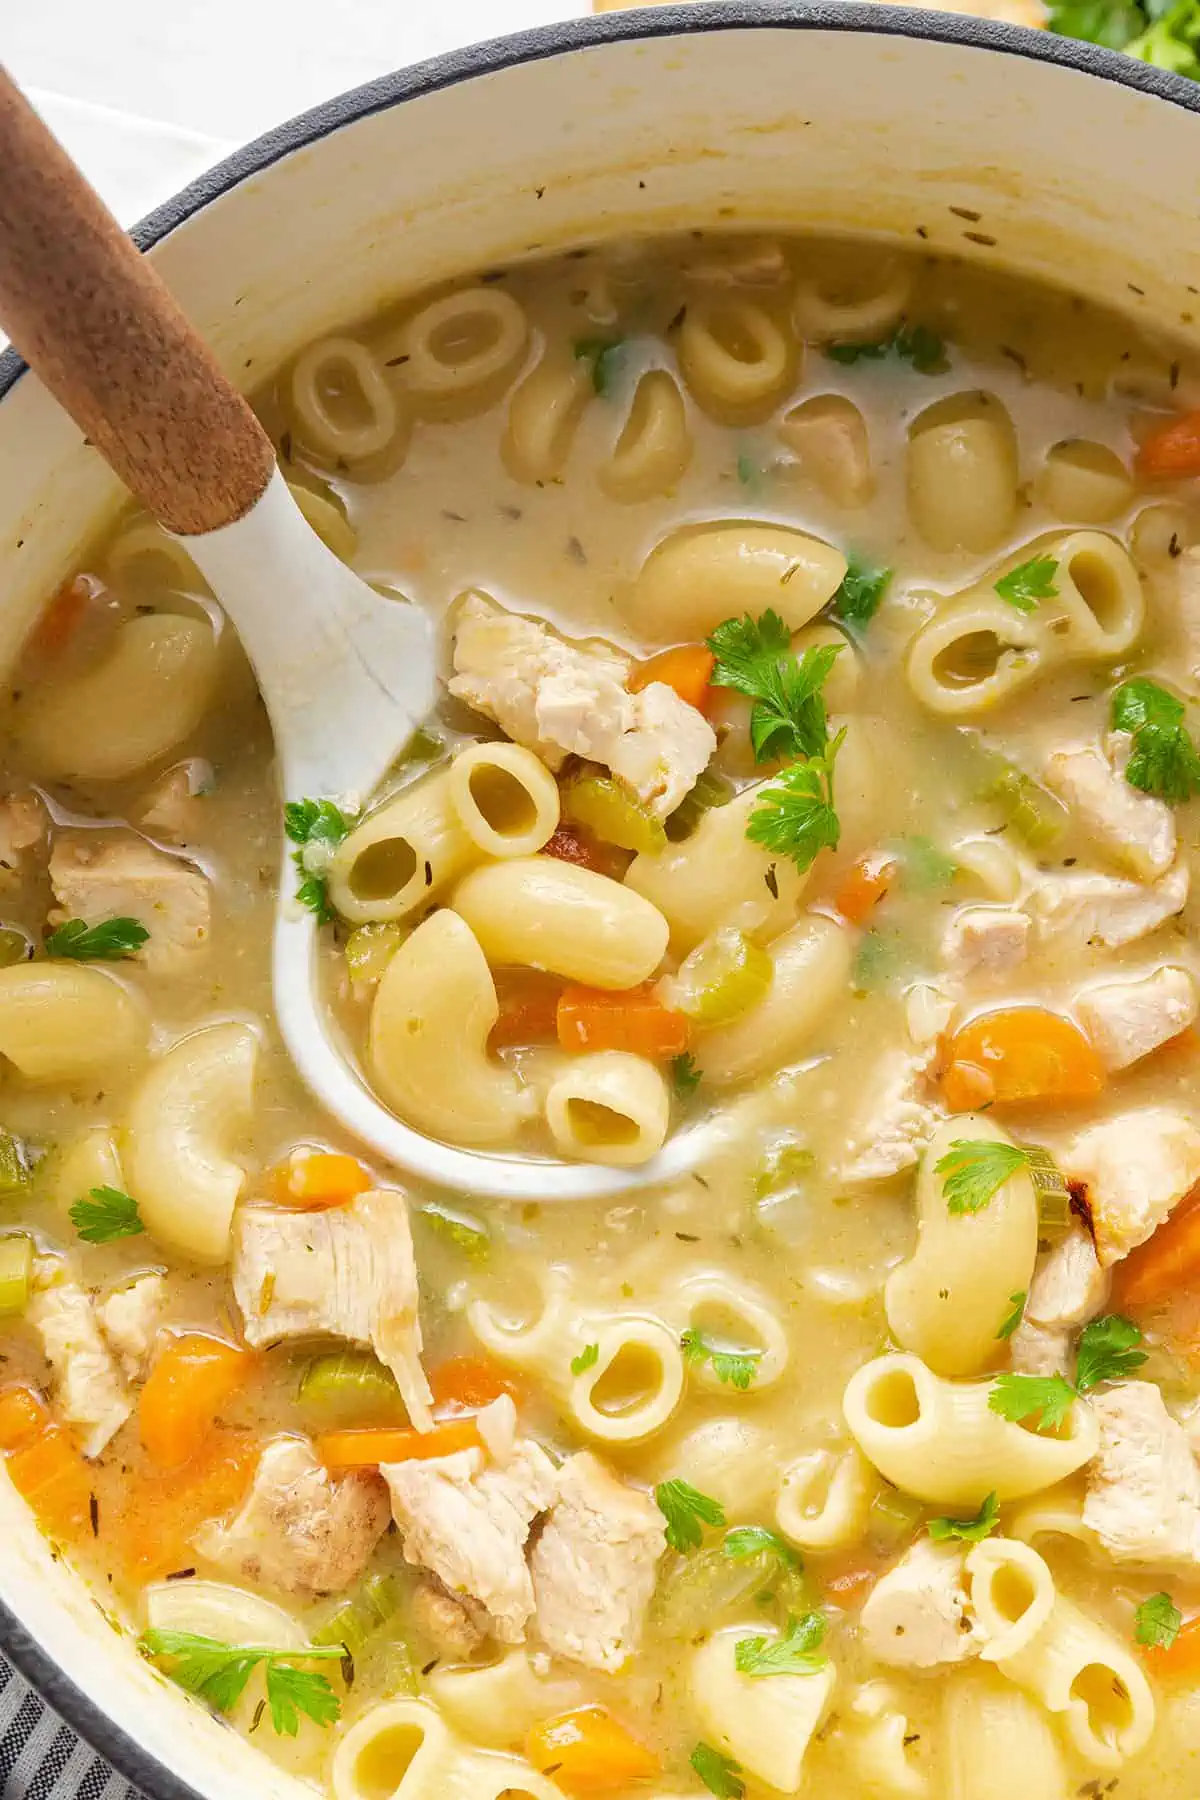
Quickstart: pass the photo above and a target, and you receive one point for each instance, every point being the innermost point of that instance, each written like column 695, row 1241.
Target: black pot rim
column 78, row 1709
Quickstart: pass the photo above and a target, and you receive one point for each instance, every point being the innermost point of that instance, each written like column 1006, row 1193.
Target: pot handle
column 99, row 327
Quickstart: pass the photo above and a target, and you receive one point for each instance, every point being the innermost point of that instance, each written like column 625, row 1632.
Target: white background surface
column 147, row 93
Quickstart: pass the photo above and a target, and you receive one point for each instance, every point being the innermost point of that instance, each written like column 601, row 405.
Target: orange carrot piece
column 634, row 1019
column 62, row 618
column 864, row 886
column 587, row 1751
column 528, row 1002
column 191, row 1379
column 53, row 1478
column 313, row 1183
column 687, row 668
column 1166, row 1264
column 23, row 1413
column 851, row 1587
column 1019, row 1055
column 1172, row 451
column 368, row 1447
column 162, row 1512
column 570, row 844
column 1183, row 1656
column 464, row 1384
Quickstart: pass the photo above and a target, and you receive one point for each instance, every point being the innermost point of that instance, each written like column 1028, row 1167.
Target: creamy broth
column 961, row 1139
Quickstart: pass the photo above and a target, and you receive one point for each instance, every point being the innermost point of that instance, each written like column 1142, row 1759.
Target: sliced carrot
column 587, row 1751
column 1166, row 1264
column 23, row 1413
column 634, row 1019
column 864, row 886
column 366, row 1449
column 528, row 1002
column 850, row 1587
column 1019, row 1055
column 687, row 668
column 62, row 618
column 162, row 1512
column 1182, row 1657
column 1172, row 451
column 53, row 1478
column 463, row 1384
column 570, row 844
column 313, row 1182
column 192, row 1378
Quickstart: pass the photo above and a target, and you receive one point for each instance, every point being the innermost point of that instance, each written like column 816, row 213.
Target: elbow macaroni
column 962, row 473
column 609, row 1107
column 342, row 402
column 737, row 361
column 824, row 1498
column 404, row 854
column 996, row 1743
column 810, row 968
column 543, row 418
column 505, row 797
column 703, row 574
column 540, row 913
column 766, row 1726
column 655, row 445
column 65, row 1022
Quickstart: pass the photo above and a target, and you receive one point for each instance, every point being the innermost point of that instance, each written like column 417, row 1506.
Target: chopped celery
column 708, row 1584
column 722, row 978
column 424, row 746
column 14, row 1164
column 14, row 947
column 355, row 1620
column 893, row 1516
column 369, row 950
column 711, row 790
column 1032, row 811
column 784, row 1166
column 1053, row 1194
column 460, row 1229
column 349, row 1383
column 611, row 813
column 16, row 1267
column 393, row 1670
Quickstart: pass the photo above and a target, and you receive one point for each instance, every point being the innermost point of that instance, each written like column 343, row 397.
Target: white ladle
column 346, row 675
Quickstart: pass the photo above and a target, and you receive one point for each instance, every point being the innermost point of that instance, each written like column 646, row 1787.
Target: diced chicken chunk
column 1135, row 1168
column 129, row 1319
column 898, row 1123
column 919, row 1615
column 1143, row 1498
column 561, row 699
column 444, row 1620
column 594, row 1565
column 174, row 807
column 986, row 940
column 298, row 1529
column 126, row 878
column 22, row 830
column 466, row 1518
column 347, row 1273
column 1040, row 1349
column 1126, row 1020
column 1137, row 830
column 89, row 1390
column 1069, row 1287
column 1083, row 910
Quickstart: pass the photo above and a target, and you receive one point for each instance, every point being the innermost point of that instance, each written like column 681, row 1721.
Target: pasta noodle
column 461, row 348
column 505, row 798
column 734, row 357
column 543, row 417
column 546, row 914
column 402, row 855
column 962, row 473
column 1084, row 481
column 703, row 574
column 852, row 299
column 824, row 1498
column 810, row 968
column 828, row 436
column 766, row 1726
column 634, row 1385
column 342, row 402
column 60, row 1022
column 654, row 447
column 1012, row 1591
column 997, row 1742
column 975, row 654
column 610, row 1107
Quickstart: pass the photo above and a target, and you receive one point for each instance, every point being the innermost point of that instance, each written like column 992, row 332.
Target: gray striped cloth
column 41, row 1758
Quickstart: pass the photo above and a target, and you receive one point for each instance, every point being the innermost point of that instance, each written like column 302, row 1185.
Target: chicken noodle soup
column 815, row 752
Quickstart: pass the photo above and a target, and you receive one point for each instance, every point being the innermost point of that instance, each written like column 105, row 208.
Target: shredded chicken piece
column 444, row 1620
column 89, row 1390
column 1137, row 830
column 129, row 1319
column 1069, row 1287
column 1143, row 1498
column 898, row 1122
column 1135, row 1167
column 1126, row 1020
column 919, row 1615
column 128, row 878
column 986, row 940
column 1083, row 910
column 1040, row 1349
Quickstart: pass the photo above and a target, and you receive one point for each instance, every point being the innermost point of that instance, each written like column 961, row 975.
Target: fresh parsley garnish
column 738, row 1368
column 1028, row 583
column 1156, row 1622
column 1162, row 758
column 795, row 814
column 797, row 1650
column 318, row 826
column 914, row 344
column 108, row 941
column 862, row 589
column 745, row 1541
column 686, row 1075
column 106, row 1214
column 1165, row 35
column 587, row 1359
column 968, row 1531
column 218, row 1673
column 604, row 356
column 1046, row 1399
column 720, row 1774
column 1013, row 1319
column 686, row 1511
column 973, row 1170
column 1107, row 1351
column 754, row 657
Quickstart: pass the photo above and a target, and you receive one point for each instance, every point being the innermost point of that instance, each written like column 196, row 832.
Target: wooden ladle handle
column 94, row 321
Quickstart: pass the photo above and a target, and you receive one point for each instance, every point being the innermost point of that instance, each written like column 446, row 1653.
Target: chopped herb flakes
column 974, row 1170
column 720, row 1774
column 587, row 1359
column 1107, row 1352
column 1163, row 760
column 1045, row 1399
column 796, row 1651
column 605, row 357
column 1028, row 583
column 1157, row 1621
column 968, row 1531
column 106, row 1214
column 318, row 827
column 687, row 1512
column 914, row 344
column 219, row 1672
column 795, row 816
column 1013, row 1318
column 109, row 941
column 755, row 658
column 738, row 1368
column 686, row 1075
column 860, row 594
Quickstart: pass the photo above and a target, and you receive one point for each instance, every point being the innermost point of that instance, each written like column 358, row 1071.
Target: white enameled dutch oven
column 979, row 140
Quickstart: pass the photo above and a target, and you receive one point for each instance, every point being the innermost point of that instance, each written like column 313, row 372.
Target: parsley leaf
column 1172, row 40
column 686, row 1075
column 858, row 598
column 754, row 657
column 745, row 1541
column 1113, row 23
column 292, row 1691
column 795, row 814
column 1157, row 1621
column 604, row 355
column 106, row 1214
column 318, row 826
column 968, row 1531
column 796, row 1651
column 1013, row 1319
column 911, row 343
column 686, row 1511
column 108, row 941
column 974, row 1169
column 718, row 1773
column 587, row 1359
column 1046, row 1398
column 736, row 1367
column 1028, row 583
column 1163, row 759
column 1107, row 1351
column 218, row 1672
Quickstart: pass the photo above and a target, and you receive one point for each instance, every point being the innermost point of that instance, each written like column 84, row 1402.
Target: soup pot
column 974, row 139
